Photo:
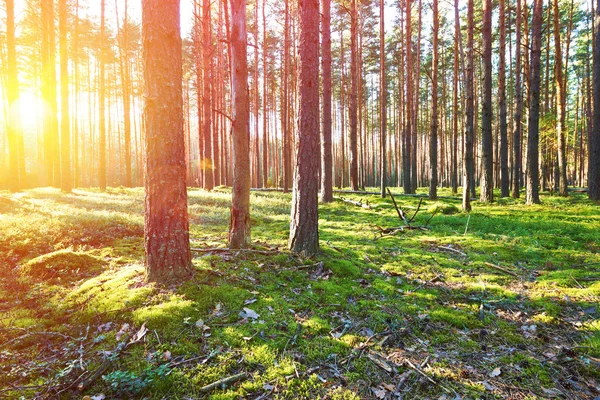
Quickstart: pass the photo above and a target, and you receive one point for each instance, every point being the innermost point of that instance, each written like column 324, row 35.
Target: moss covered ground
column 499, row 303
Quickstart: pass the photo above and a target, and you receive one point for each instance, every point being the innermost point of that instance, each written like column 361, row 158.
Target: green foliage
column 129, row 383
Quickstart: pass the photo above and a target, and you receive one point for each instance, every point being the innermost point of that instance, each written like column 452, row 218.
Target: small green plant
column 130, row 383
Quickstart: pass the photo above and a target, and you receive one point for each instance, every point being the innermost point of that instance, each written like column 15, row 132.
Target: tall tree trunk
column 265, row 141
column 326, row 156
column 516, row 170
column 454, row 166
column 342, row 112
column 487, row 145
column 406, row 155
column 416, row 92
column 469, row 167
column 433, row 138
column 304, row 224
column 383, row 101
column 354, row 185
column 561, row 102
column 167, row 244
column 239, row 229
column 504, row 175
column 51, row 139
column 258, row 179
column 594, row 140
column 15, row 173
column 287, row 152
column 75, row 132
column 126, row 89
column 208, row 161
column 65, row 127
column 533, row 136
column 102, row 100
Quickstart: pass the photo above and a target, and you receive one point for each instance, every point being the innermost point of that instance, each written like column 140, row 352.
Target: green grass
column 73, row 287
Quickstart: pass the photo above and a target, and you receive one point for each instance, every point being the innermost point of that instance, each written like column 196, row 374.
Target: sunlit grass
column 73, row 261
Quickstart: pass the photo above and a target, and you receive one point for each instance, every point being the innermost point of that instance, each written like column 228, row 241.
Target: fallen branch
column 400, row 212
column 423, row 374
column 222, row 383
column 416, row 212
column 380, row 363
column 453, row 250
column 360, row 203
column 228, row 250
column 499, row 268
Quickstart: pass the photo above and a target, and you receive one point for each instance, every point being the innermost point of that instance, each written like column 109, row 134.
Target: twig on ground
column 453, row 250
column 423, row 374
column 467, row 225
column 380, row 363
column 499, row 268
column 221, row 383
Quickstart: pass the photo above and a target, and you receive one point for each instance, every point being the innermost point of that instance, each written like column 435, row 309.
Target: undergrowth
column 497, row 303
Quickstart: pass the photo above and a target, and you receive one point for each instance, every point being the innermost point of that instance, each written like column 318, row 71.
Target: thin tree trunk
column 51, row 139
column 504, row 175
column 383, row 100
column 455, row 117
column 561, row 102
column 16, row 177
column 239, row 230
column 208, row 161
column 407, row 181
column 533, row 196
column 594, row 140
column 516, row 172
column 326, row 157
column 487, row 159
column 287, row 152
column 102, row 101
column 433, row 138
column 265, row 141
column 469, row 167
column 354, row 184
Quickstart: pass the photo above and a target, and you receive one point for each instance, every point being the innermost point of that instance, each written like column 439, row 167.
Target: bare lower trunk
column 533, row 196
column 516, row 171
column 167, row 245
column 304, row 224
column 487, row 159
column 326, row 157
column 594, row 140
column 469, row 167
column 239, row 229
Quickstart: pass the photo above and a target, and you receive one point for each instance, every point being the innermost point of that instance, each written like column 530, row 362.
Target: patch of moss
column 61, row 266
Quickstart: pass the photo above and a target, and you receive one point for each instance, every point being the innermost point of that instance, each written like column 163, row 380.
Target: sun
column 29, row 106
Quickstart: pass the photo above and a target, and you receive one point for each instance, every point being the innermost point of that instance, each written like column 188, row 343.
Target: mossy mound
column 446, row 209
column 62, row 265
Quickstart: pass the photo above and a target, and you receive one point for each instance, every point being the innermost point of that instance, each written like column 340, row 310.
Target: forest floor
column 501, row 303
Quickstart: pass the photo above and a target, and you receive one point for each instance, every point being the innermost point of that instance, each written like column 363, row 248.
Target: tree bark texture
column 239, row 229
column 533, row 136
column 487, row 144
column 304, row 225
column 166, row 233
column 326, row 152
